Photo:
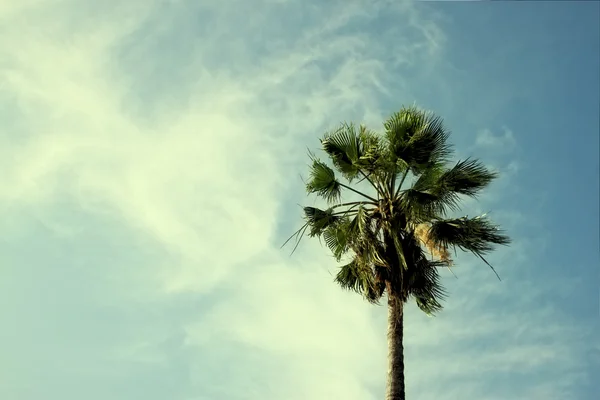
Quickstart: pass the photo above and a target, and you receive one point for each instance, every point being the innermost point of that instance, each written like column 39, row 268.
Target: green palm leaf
column 358, row 277
column 438, row 191
column 467, row 177
column 337, row 238
column 344, row 147
column 322, row 182
column 422, row 206
column 425, row 285
column 372, row 158
column 476, row 235
column 358, row 225
column 418, row 138
column 319, row 220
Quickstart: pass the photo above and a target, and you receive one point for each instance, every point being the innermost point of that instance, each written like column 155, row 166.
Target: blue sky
column 151, row 153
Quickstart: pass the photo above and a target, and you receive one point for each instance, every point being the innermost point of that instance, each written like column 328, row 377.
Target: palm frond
column 372, row 149
column 428, row 144
column 421, row 233
column 369, row 247
column 402, row 125
column 467, row 177
column 477, row 235
column 344, row 147
column 417, row 137
column 322, row 181
column 438, row 191
column 426, row 286
column 298, row 235
column 318, row 220
column 429, row 305
column 358, row 277
column 357, row 232
column 375, row 163
column 355, row 154
column 375, row 159
column 364, row 240
column 358, row 225
column 424, row 282
column 375, row 292
column 350, row 277
column 422, row 206
column 337, row 238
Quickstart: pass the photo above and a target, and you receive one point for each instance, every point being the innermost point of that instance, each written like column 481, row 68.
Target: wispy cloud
column 500, row 142
column 150, row 158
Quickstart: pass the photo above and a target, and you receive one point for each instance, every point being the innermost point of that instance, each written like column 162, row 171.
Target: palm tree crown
column 396, row 237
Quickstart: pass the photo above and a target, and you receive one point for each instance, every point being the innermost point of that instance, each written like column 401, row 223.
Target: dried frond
column 436, row 250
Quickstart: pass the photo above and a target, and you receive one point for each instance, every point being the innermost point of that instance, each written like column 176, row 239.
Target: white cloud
column 150, row 161
column 500, row 142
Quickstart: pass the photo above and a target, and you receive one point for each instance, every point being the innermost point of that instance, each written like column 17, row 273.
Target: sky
column 151, row 154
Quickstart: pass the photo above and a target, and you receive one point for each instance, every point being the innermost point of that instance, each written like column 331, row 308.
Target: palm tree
column 394, row 239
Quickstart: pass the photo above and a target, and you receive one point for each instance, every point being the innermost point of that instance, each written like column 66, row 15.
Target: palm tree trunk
column 395, row 379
